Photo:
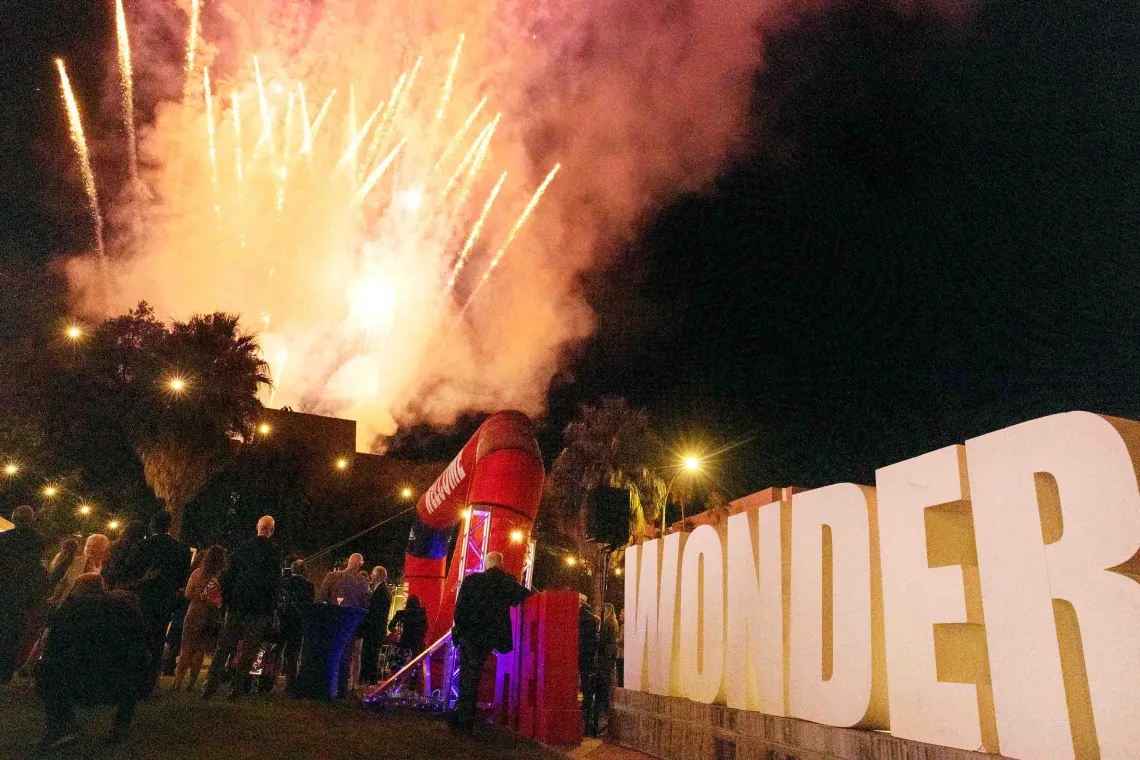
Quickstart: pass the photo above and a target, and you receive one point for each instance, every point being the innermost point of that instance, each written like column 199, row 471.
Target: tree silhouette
column 208, row 397
column 116, row 408
column 609, row 444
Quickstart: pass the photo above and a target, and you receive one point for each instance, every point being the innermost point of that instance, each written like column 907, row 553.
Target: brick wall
column 678, row 729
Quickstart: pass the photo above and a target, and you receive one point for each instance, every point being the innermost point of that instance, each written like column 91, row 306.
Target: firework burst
column 351, row 240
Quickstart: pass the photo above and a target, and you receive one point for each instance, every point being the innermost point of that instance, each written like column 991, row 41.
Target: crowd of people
column 90, row 628
column 102, row 621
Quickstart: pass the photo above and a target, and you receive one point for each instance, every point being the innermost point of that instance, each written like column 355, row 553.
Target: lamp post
column 689, row 464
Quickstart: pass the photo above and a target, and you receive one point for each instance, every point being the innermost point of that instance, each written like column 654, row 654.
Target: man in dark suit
column 482, row 625
column 375, row 626
column 162, row 570
column 250, row 586
column 297, row 595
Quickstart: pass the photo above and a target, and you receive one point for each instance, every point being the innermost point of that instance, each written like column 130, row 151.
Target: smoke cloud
column 347, row 283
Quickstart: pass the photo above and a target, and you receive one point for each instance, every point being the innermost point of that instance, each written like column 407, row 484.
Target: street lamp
column 689, row 464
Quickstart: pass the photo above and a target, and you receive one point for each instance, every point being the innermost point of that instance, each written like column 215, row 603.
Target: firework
column 458, row 137
column 534, row 199
column 474, row 235
column 347, row 229
column 211, row 140
column 376, row 174
column 449, row 83
column 192, row 38
column 127, row 85
column 78, row 139
column 311, row 131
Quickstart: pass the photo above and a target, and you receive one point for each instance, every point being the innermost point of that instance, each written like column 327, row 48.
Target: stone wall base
column 678, row 729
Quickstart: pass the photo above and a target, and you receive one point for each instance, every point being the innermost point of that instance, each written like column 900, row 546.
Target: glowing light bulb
column 11, row 468
column 264, row 428
column 516, row 536
column 692, row 464
column 50, row 491
column 84, row 509
column 406, row 493
column 74, row 332
column 177, row 384
column 341, row 463
column 113, row 525
column 571, row 561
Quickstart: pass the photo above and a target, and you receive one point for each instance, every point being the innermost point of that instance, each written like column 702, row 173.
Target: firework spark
column 311, row 131
column 449, row 84
column 75, row 124
column 376, row 174
column 211, row 138
column 127, row 85
column 192, row 38
column 475, row 230
column 458, row 137
column 534, row 199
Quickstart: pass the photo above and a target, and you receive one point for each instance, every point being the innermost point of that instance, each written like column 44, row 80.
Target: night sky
column 935, row 236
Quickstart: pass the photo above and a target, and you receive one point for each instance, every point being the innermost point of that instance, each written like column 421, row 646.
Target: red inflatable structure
column 492, row 490
column 499, row 474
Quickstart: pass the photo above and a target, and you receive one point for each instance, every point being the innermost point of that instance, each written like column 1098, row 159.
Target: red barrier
column 536, row 685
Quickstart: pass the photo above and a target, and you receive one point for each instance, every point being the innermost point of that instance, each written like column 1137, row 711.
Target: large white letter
column 830, row 660
column 754, row 646
column 641, row 613
column 701, row 662
column 651, row 605
column 917, row 597
column 1055, row 505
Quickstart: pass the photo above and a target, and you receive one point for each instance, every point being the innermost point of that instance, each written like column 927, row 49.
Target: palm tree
column 213, row 375
column 609, row 444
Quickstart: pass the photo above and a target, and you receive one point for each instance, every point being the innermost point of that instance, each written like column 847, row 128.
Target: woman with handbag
column 203, row 616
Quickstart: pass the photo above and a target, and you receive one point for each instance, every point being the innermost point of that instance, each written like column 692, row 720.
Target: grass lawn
column 255, row 728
